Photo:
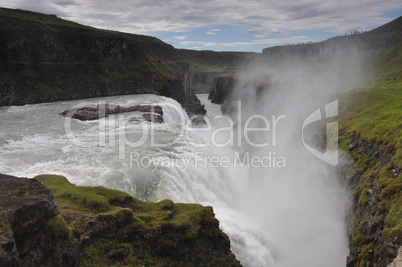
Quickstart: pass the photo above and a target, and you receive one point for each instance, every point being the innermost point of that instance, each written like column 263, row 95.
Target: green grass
column 373, row 113
column 16, row 19
column 210, row 61
column 386, row 61
column 84, row 199
column 100, row 200
column 377, row 115
column 148, row 233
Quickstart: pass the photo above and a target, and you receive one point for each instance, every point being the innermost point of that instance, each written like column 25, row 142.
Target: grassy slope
column 176, row 231
column 227, row 63
column 87, row 67
column 87, row 62
column 11, row 19
column 375, row 116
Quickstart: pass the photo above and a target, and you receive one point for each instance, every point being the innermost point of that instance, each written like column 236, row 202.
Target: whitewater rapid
column 260, row 216
column 34, row 141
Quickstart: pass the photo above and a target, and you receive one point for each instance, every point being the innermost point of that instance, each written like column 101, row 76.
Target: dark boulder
column 153, row 113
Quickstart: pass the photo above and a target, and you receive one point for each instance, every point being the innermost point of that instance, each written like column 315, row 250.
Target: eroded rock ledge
column 152, row 113
column 96, row 226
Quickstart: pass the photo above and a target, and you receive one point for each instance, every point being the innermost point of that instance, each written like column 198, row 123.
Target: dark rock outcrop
column 152, row 113
column 194, row 106
column 223, row 86
column 95, row 226
column 203, row 82
column 27, row 233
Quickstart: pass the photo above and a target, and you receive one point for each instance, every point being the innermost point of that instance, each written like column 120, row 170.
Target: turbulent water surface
column 279, row 204
column 35, row 140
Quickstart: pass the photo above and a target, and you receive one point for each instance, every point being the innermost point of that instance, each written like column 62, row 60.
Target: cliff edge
column 48, row 221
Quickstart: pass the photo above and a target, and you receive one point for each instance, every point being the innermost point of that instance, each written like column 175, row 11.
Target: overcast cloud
column 259, row 20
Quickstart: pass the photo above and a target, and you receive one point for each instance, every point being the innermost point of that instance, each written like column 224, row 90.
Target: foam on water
column 33, row 141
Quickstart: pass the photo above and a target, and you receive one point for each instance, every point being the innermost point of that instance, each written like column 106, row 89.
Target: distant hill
column 381, row 45
column 394, row 26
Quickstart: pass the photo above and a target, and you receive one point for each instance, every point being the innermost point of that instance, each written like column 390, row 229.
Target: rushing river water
column 272, row 222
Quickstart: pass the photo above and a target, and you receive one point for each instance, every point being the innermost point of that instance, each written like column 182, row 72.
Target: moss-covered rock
column 370, row 132
column 97, row 226
column 31, row 232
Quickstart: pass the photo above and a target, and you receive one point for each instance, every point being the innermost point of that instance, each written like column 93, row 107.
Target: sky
column 223, row 25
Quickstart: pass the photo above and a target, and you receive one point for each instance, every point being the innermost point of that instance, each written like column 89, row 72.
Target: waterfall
column 279, row 205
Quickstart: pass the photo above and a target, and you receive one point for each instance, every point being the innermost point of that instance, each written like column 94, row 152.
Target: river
column 272, row 217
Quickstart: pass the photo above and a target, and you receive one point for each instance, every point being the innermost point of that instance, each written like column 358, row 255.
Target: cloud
column 213, row 31
column 258, row 18
column 182, row 37
column 272, row 41
column 65, row 2
column 143, row 16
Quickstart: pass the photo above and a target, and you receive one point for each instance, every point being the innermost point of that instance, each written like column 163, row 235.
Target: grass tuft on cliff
column 84, row 199
column 113, row 228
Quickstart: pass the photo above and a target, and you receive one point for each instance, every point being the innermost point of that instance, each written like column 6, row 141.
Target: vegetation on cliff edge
column 113, row 227
column 371, row 132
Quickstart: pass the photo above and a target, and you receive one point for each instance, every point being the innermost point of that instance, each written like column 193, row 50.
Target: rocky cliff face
column 222, row 88
column 95, row 226
column 203, row 82
column 27, row 219
column 44, row 58
column 374, row 233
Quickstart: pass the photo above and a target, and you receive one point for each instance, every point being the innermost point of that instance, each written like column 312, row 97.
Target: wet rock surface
column 223, row 86
column 152, row 113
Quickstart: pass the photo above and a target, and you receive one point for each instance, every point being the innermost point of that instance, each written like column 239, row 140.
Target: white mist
column 298, row 211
